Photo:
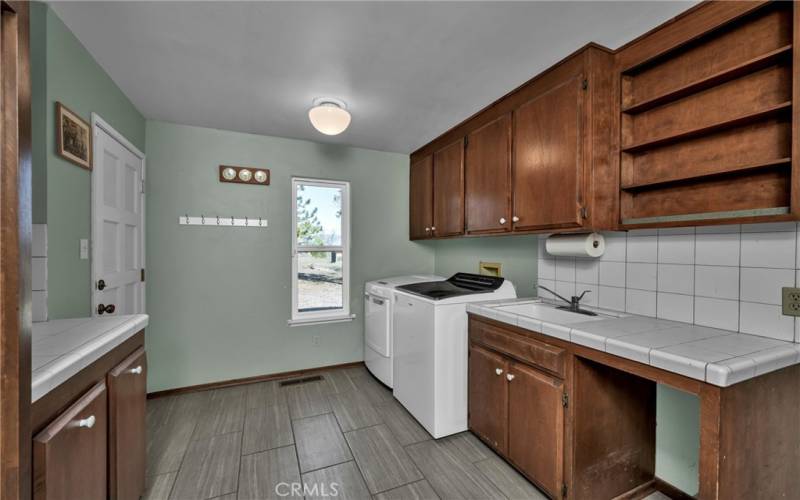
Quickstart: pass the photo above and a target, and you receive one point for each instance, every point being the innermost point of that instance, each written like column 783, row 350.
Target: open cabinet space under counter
column 593, row 380
column 88, row 414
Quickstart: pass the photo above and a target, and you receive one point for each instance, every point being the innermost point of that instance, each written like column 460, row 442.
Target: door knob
column 137, row 370
column 498, row 371
column 509, row 376
column 87, row 422
column 502, row 220
column 101, row 284
column 515, row 219
column 105, row 309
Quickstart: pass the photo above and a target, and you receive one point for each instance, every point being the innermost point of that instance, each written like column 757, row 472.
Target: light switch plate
column 84, row 249
column 791, row 301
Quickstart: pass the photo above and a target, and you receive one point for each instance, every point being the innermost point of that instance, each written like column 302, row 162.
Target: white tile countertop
column 63, row 347
column 719, row 357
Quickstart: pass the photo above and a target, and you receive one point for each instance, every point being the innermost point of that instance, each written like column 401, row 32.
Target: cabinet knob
column 502, row 220
column 515, row 219
column 509, row 376
column 87, row 422
column 137, row 370
column 427, row 230
column 433, row 228
column 498, row 371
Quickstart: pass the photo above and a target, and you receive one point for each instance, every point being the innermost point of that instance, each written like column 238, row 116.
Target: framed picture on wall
column 73, row 137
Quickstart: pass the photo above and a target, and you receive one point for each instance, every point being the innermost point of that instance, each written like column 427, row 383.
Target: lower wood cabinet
column 536, row 426
column 70, row 454
column 90, row 431
column 519, row 411
column 127, row 435
column 488, row 397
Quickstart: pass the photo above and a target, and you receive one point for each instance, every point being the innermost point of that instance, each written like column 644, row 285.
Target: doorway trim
column 98, row 123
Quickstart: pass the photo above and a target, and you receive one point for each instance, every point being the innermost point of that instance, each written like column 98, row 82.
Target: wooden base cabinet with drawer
column 517, row 408
column 91, row 440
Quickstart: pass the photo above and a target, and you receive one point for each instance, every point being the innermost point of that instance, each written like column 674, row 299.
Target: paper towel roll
column 576, row 245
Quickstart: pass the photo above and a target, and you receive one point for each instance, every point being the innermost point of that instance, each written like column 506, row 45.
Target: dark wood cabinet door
column 69, row 455
column 488, row 177
column 548, row 158
column 421, row 199
column 448, row 190
column 536, row 422
column 488, row 396
column 127, row 384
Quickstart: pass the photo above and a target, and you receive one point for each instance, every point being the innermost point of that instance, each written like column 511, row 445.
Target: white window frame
column 317, row 317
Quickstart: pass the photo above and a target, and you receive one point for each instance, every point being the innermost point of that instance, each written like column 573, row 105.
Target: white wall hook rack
column 218, row 220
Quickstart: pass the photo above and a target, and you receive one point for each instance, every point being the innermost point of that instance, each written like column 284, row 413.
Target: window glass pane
column 319, row 216
column 319, row 281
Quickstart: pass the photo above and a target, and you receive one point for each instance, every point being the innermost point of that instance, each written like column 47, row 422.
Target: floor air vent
column 305, row 380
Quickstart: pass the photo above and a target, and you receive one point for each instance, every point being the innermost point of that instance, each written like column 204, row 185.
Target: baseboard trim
column 248, row 380
column 671, row 491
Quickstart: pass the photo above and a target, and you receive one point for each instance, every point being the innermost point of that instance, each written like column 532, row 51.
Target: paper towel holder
column 590, row 245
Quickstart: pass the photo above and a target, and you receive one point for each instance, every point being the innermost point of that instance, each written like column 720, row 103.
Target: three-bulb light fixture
column 329, row 115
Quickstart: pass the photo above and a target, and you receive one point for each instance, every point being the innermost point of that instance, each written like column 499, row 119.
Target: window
column 320, row 251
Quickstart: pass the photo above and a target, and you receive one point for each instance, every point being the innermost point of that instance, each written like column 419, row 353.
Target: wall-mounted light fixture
column 244, row 175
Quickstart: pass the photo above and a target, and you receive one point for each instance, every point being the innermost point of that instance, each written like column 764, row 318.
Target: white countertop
column 63, row 347
column 719, row 357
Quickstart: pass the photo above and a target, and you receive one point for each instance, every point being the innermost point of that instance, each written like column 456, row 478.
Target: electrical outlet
column 791, row 301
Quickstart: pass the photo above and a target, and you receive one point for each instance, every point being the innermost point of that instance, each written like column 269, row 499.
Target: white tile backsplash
column 39, row 272
column 726, row 277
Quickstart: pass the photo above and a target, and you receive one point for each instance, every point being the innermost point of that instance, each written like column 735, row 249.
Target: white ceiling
column 408, row 71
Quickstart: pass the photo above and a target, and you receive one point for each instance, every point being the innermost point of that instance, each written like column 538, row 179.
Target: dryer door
column 377, row 318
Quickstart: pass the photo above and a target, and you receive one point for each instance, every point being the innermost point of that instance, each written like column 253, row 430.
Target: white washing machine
column 431, row 347
column 378, row 307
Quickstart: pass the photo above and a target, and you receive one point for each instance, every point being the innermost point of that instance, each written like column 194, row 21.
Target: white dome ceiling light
column 329, row 116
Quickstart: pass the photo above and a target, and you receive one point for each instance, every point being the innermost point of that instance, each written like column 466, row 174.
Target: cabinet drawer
column 543, row 355
column 69, row 455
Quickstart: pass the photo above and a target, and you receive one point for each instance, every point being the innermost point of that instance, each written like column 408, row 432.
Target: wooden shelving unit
column 706, row 123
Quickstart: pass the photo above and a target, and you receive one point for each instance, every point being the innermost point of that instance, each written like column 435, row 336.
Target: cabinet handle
column 502, row 220
column 137, row 370
column 498, row 371
column 509, row 376
column 515, row 219
column 87, row 422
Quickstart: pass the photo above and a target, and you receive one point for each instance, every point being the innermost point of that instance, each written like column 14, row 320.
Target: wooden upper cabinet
column 69, row 455
column 488, row 396
column 536, row 412
column 127, row 384
column 448, row 190
column 488, row 177
column 421, row 198
column 708, row 118
column 548, row 153
column 540, row 159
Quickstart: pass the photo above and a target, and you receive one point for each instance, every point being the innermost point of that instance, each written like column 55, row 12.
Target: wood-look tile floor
column 345, row 430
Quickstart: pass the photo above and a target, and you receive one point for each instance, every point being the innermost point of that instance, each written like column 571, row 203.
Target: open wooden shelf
column 738, row 169
column 718, row 78
column 708, row 129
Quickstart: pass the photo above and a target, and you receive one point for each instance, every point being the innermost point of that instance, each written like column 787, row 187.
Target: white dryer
column 378, row 309
column 431, row 347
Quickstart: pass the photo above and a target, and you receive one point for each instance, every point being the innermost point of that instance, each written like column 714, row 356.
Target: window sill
column 321, row 320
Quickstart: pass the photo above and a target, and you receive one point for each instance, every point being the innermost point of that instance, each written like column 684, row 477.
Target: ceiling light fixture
column 329, row 115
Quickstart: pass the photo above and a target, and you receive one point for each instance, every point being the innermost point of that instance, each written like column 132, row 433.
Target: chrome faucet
column 574, row 303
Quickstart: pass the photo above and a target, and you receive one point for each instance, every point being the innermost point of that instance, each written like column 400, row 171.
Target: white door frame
column 97, row 124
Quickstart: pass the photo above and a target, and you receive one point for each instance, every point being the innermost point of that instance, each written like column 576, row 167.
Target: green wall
column 678, row 438
column 517, row 254
column 219, row 298
column 62, row 70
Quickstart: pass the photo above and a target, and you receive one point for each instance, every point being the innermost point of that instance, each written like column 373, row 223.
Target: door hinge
column 563, row 489
column 466, row 140
column 585, row 84
column 584, row 213
column 565, row 399
column 142, row 274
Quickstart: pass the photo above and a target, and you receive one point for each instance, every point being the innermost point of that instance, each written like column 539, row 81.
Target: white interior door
column 117, row 224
